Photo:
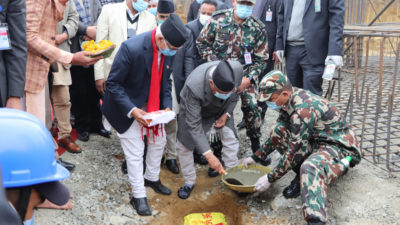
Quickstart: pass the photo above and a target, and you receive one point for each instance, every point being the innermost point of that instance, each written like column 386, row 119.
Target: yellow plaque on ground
column 213, row 218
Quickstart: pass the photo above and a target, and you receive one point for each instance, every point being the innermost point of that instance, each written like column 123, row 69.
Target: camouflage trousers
column 251, row 112
column 321, row 168
column 317, row 171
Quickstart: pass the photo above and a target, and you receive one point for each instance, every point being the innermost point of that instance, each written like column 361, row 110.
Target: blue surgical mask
column 273, row 106
column 153, row 11
column 243, row 11
column 167, row 51
column 160, row 22
column 222, row 96
column 200, row 1
column 140, row 5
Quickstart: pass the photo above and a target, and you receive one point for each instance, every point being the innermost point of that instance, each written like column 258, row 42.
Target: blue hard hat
column 26, row 151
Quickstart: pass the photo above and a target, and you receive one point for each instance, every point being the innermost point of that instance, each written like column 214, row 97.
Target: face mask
column 222, row 96
column 153, row 11
column 28, row 222
column 273, row 106
column 140, row 5
column 204, row 19
column 160, row 22
column 199, row 1
column 167, row 51
column 243, row 11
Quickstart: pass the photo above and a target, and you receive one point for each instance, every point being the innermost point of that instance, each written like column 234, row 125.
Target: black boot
column 293, row 190
column 157, row 187
column 199, row 158
column 241, row 125
column 255, row 144
column 67, row 165
column 315, row 222
column 172, row 166
column 141, row 206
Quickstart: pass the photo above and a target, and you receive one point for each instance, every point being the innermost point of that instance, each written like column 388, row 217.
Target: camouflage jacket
column 223, row 38
column 311, row 120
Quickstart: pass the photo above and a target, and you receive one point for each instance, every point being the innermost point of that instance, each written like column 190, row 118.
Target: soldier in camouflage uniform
column 312, row 136
column 234, row 34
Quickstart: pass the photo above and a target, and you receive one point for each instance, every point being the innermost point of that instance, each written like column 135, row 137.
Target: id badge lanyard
column 317, row 6
column 268, row 14
column 4, row 37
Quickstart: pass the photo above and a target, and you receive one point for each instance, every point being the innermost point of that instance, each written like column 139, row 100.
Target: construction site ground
column 101, row 193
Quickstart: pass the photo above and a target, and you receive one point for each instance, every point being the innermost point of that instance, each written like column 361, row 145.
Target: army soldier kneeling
column 314, row 142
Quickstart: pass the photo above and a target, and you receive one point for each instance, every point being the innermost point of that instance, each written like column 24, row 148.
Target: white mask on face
column 204, row 19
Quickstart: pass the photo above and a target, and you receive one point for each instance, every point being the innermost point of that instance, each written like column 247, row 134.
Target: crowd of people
column 227, row 51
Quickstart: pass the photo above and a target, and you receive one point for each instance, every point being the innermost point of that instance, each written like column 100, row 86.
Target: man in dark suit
column 308, row 37
column 13, row 58
column 193, row 12
column 139, row 82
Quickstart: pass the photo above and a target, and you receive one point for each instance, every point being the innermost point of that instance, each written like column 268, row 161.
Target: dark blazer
column 128, row 84
column 270, row 26
column 183, row 64
column 199, row 108
column 323, row 31
column 195, row 28
column 13, row 62
column 193, row 12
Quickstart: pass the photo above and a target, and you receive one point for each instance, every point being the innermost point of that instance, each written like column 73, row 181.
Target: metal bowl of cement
column 244, row 179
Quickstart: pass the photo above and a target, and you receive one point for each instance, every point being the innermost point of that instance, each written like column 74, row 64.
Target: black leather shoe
column 293, row 190
column 184, row 192
column 199, row 158
column 315, row 222
column 124, row 167
column 83, row 136
column 157, row 187
column 102, row 132
column 212, row 173
column 67, row 165
column 266, row 161
column 141, row 206
column 241, row 125
column 172, row 166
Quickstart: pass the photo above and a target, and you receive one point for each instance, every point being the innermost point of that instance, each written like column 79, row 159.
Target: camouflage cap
column 271, row 83
column 252, row 1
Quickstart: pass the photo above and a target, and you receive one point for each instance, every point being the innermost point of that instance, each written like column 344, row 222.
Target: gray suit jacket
column 199, row 108
column 323, row 31
column 13, row 62
column 95, row 13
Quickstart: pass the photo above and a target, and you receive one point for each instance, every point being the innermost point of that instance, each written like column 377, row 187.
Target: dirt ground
column 101, row 193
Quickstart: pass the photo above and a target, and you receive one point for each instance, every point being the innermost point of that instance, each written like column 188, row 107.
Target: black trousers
column 85, row 99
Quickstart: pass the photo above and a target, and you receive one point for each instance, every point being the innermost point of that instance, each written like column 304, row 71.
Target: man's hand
column 214, row 162
column 91, row 32
column 82, row 59
column 101, row 86
column 86, row 38
column 138, row 115
column 221, row 121
column 245, row 84
column 275, row 58
column 248, row 161
column 281, row 56
column 60, row 38
column 14, row 103
column 262, row 184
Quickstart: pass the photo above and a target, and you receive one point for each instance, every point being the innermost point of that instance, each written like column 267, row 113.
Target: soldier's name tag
column 317, row 6
column 247, row 58
column 4, row 40
column 268, row 16
column 224, row 35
